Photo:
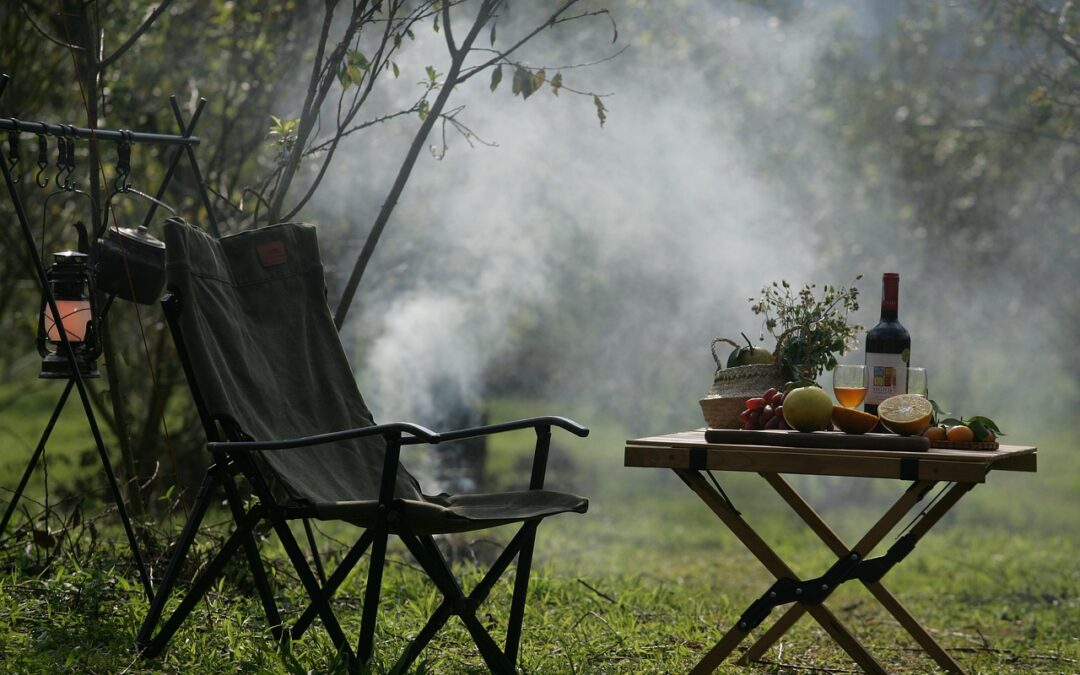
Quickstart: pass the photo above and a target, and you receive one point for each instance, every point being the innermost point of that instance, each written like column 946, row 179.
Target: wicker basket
column 732, row 386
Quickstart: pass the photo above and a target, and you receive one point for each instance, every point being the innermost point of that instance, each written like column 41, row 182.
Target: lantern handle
column 59, row 189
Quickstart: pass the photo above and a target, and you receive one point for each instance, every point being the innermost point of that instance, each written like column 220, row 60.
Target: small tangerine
column 935, row 433
column 961, row 433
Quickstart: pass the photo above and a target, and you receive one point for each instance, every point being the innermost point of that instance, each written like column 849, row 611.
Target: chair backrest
column 265, row 354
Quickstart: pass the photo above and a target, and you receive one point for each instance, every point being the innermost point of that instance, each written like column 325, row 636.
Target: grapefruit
column 906, row 414
column 852, row 421
column 808, row 409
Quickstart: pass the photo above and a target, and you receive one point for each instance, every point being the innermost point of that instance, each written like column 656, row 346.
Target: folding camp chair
column 267, row 371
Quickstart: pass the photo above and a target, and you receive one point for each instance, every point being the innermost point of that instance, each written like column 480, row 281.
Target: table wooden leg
column 778, row 568
column 883, row 595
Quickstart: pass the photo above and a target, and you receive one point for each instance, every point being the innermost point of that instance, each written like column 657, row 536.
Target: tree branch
column 130, row 42
column 44, row 33
column 452, row 80
column 551, row 21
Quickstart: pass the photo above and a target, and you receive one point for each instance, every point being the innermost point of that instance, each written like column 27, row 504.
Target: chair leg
column 437, row 620
column 187, row 536
column 153, row 646
column 431, row 559
column 521, row 589
column 330, row 587
column 258, row 572
column 330, row 622
column 319, row 572
column 365, row 645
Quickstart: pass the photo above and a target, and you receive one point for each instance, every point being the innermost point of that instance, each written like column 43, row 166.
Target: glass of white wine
column 917, row 382
column 849, row 384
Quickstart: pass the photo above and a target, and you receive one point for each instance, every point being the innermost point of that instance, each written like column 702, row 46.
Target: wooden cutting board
column 819, row 439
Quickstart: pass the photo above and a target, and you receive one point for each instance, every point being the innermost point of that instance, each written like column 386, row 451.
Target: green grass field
column 645, row 582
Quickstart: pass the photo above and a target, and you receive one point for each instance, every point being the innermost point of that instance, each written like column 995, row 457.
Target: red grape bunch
column 765, row 411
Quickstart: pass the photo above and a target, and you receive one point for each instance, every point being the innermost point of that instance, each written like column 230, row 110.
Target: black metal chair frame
column 234, row 456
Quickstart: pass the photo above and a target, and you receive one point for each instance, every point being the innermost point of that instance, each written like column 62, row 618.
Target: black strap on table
column 814, row 591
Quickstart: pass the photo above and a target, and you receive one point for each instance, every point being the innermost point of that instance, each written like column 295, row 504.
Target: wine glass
column 849, row 384
column 917, row 382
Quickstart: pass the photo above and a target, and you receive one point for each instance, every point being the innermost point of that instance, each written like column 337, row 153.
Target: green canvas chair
column 282, row 411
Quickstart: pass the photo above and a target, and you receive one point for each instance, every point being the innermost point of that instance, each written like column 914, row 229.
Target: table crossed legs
column 852, row 563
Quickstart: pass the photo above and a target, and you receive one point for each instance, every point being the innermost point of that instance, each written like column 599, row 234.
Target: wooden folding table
column 692, row 457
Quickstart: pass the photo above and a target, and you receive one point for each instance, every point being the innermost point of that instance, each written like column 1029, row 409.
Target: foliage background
column 588, row 267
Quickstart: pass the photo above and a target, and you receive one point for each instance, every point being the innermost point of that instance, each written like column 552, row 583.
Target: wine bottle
column 888, row 348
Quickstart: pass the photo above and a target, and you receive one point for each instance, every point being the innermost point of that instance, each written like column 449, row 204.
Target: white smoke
column 640, row 241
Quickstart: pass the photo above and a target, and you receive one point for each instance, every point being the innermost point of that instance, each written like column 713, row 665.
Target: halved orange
column 906, row 414
column 853, row 421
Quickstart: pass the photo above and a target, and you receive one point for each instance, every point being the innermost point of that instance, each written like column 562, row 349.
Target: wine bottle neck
column 890, row 296
column 889, row 315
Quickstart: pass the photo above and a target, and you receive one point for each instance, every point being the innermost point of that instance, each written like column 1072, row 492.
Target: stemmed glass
column 849, row 384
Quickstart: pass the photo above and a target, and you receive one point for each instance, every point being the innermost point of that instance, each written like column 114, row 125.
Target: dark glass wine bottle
column 888, row 349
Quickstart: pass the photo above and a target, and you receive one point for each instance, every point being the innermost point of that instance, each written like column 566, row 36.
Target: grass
column 645, row 582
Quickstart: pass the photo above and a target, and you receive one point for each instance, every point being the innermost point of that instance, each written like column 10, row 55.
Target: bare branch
column 453, row 77
column 44, row 33
column 552, row 20
column 450, row 46
column 143, row 27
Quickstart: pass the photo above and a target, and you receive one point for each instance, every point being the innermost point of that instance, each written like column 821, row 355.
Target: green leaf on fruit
column 979, row 432
column 986, row 423
column 939, row 413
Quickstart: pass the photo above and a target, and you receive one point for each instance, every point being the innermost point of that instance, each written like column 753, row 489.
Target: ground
column 644, row 583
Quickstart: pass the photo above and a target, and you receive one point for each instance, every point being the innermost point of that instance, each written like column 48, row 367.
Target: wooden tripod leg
column 883, row 595
column 778, row 568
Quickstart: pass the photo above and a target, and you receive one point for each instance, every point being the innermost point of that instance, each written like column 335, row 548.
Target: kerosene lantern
column 69, row 280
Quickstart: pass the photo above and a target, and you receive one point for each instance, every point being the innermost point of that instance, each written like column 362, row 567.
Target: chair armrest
column 515, row 425
column 417, row 432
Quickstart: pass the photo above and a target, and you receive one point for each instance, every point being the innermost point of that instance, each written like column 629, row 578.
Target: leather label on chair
column 272, row 253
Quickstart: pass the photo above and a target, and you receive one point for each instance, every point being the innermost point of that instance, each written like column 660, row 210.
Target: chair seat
column 444, row 514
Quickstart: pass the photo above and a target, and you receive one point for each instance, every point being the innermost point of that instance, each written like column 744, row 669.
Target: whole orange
column 935, row 433
column 960, row 434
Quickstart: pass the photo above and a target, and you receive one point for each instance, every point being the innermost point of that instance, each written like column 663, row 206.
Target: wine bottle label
column 886, row 375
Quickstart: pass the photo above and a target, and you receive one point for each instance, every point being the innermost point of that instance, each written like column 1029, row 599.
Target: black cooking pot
column 131, row 264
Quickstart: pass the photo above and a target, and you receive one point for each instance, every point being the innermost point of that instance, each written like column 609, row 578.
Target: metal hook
column 61, row 157
column 69, row 184
column 42, row 160
column 13, row 151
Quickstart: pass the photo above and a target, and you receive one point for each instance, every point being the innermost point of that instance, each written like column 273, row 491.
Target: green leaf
column 425, row 110
column 524, row 83
column 951, row 422
column 556, row 83
column 353, row 68
column 979, row 432
column 496, row 77
column 601, row 111
column 939, row 412
column 985, row 422
column 397, row 71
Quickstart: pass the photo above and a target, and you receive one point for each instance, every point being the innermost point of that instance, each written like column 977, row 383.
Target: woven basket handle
column 712, row 348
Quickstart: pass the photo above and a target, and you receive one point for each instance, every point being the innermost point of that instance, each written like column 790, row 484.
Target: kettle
column 130, row 264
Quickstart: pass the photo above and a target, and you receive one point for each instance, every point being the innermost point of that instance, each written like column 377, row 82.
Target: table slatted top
column 690, row 450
